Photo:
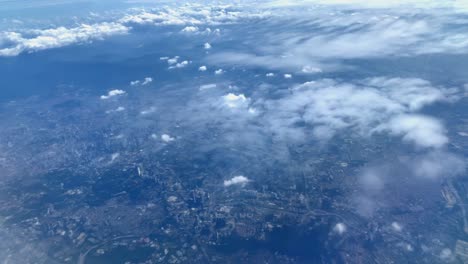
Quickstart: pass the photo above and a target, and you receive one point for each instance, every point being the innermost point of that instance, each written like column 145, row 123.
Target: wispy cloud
column 378, row 180
column 335, row 35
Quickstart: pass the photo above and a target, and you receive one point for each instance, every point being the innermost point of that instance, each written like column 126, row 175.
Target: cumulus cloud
column 145, row 81
column 321, row 109
column 189, row 15
column 235, row 101
column 207, row 45
column 179, row 65
column 173, row 60
column 112, row 93
column 366, row 107
column 193, row 14
column 158, row 18
column 190, row 29
column 236, row 180
column 202, row 68
column 219, row 72
column 167, row 138
column 36, row 40
column 421, row 130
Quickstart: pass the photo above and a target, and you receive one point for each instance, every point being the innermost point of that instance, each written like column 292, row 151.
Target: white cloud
column 118, row 109
column 237, row 180
column 287, row 76
column 252, row 111
column 193, row 14
column 36, row 40
column 179, row 65
column 190, row 15
column 207, row 86
column 145, row 81
column 436, row 165
column 235, row 101
column 446, row 255
column 321, row 109
column 190, row 29
column 371, row 180
column 219, row 71
column 166, row 138
column 202, row 68
column 421, row 130
column 366, row 107
column 340, row 228
column 310, row 69
column 112, row 93
column 160, row 18
column 172, row 199
column 114, row 156
column 270, row 74
column 148, row 111
column 397, row 227
column 207, row 45
column 357, row 3
column 379, row 180
column 173, row 60
column 339, row 34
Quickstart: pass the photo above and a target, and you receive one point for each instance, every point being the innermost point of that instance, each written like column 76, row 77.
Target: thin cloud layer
column 376, row 181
